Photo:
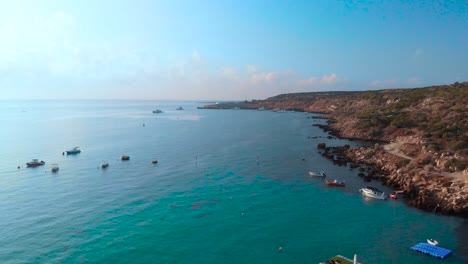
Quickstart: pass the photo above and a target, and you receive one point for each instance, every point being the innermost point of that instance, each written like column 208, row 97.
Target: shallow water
column 213, row 166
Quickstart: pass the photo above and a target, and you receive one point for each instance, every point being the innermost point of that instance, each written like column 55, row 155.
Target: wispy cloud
column 56, row 55
column 418, row 53
column 392, row 83
column 315, row 81
column 413, row 81
column 375, row 83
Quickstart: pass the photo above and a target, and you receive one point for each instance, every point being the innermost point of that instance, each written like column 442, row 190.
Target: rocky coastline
column 422, row 188
column 428, row 166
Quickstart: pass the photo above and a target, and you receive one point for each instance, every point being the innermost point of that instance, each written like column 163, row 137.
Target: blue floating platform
column 435, row 251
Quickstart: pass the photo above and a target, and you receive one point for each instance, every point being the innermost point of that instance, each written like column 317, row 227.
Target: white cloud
column 418, row 52
column 48, row 51
column 317, row 81
column 230, row 73
column 413, row 81
column 392, row 83
column 263, row 77
column 330, row 79
column 376, row 83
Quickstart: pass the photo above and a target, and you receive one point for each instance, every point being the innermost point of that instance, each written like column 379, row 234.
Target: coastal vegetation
column 425, row 131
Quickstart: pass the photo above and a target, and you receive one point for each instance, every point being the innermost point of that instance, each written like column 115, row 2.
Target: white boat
column 104, row 164
column 74, row 150
column 317, row 174
column 54, row 167
column 373, row 192
column 433, row 242
column 261, row 108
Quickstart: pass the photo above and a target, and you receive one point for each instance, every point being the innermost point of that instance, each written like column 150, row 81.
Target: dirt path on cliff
column 394, row 148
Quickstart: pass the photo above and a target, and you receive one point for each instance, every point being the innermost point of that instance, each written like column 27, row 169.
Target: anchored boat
column 372, row 192
column 317, row 174
column 54, row 167
column 35, row 163
column 74, row 150
column 104, row 164
column 341, row 259
column 433, row 242
column 335, row 183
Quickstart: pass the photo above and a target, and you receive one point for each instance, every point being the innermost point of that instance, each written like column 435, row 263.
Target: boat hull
column 35, row 163
column 372, row 194
column 335, row 183
column 317, row 174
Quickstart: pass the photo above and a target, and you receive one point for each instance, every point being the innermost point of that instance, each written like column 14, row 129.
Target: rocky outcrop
column 423, row 187
column 427, row 129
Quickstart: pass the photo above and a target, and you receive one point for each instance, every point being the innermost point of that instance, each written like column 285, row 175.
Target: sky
column 226, row 50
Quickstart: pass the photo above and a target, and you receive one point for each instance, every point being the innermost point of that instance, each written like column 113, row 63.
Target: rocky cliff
column 426, row 131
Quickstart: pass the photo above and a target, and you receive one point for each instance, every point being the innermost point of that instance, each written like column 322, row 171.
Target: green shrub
column 370, row 154
column 460, row 144
column 426, row 160
column 402, row 121
column 403, row 163
column 456, row 165
column 434, row 147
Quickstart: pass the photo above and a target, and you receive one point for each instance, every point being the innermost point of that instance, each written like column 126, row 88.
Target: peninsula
column 422, row 135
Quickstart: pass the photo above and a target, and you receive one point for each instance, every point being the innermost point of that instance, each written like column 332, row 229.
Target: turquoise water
column 213, row 166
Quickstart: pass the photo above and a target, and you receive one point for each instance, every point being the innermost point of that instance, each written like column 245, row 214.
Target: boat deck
column 339, row 259
column 435, row 251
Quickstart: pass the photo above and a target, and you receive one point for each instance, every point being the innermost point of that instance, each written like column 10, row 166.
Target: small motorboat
column 393, row 196
column 54, row 167
column 157, row 111
column 125, row 157
column 433, row 242
column 105, row 164
column 180, row 108
column 74, row 150
column 335, row 183
column 154, row 161
column 35, row 163
column 373, row 192
column 317, row 174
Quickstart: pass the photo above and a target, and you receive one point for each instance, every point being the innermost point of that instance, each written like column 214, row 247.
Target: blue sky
column 226, row 49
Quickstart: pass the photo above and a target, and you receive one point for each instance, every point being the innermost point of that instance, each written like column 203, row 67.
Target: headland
column 422, row 136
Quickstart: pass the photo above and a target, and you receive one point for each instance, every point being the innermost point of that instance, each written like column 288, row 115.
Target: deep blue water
column 213, row 166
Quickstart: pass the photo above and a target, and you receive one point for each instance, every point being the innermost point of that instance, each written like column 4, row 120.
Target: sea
column 230, row 186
